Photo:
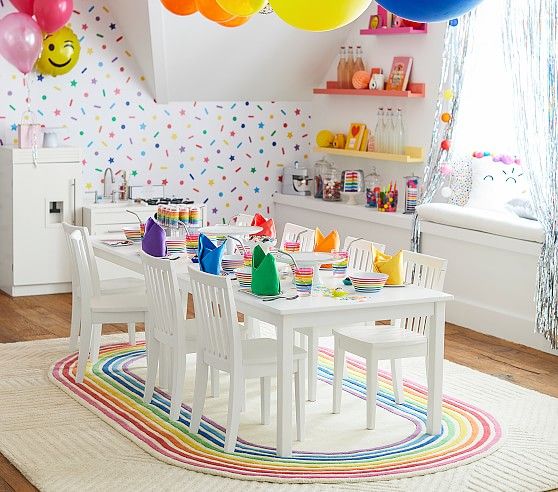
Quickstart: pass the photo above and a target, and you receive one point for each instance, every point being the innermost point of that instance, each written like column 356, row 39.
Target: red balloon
column 51, row 15
column 25, row 6
column 445, row 145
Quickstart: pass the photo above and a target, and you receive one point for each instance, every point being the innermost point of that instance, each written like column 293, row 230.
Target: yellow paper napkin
column 389, row 265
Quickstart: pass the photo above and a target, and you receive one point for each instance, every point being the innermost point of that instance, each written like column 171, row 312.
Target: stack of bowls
column 230, row 262
column 176, row 245
column 368, row 282
column 244, row 276
column 133, row 234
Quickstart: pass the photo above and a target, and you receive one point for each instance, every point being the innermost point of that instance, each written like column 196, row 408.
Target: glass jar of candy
column 332, row 185
column 321, row 167
column 372, row 181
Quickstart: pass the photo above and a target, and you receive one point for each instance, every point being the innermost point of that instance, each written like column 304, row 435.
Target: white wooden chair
column 220, row 346
column 305, row 236
column 124, row 285
column 97, row 308
column 360, row 258
column 406, row 338
column 167, row 329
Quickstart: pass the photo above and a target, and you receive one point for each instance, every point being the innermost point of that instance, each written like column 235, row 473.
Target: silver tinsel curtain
column 456, row 50
column 531, row 48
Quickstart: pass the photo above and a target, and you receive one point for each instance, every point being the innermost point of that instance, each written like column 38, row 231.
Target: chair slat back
column 217, row 319
column 424, row 271
column 92, row 262
column 361, row 256
column 305, row 236
column 78, row 249
column 164, row 300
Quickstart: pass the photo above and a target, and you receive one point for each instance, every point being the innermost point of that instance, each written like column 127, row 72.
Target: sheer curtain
column 531, row 49
column 486, row 119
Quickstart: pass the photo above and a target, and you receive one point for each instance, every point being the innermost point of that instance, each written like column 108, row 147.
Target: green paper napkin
column 265, row 278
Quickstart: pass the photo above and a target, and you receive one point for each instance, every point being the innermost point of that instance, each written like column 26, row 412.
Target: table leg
column 435, row 368
column 284, row 389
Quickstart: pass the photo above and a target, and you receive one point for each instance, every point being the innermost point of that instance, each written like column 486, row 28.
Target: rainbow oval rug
column 113, row 390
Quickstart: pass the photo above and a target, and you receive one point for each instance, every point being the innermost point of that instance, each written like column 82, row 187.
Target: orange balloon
column 211, row 10
column 235, row 21
column 180, row 7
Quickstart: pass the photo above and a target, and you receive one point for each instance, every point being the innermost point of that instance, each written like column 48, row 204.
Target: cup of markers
column 303, row 279
column 340, row 266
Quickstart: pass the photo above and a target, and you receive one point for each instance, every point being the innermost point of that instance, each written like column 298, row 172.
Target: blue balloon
column 429, row 10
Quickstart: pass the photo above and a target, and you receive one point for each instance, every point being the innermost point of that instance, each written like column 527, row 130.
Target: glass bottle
column 350, row 69
column 379, row 134
column 389, row 131
column 400, row 132
column 341, row 67
column 359, row 62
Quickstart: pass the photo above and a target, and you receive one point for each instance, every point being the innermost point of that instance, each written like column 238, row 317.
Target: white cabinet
column 35, row 198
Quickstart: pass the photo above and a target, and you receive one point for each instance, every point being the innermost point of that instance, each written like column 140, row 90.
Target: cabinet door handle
column 74, row 203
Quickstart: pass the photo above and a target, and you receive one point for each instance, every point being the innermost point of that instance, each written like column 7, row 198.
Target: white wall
column 335, row 113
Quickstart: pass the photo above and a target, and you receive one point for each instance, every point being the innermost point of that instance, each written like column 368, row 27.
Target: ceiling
column 193, row 59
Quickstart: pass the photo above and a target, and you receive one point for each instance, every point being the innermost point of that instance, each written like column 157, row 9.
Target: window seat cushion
column 488, row 221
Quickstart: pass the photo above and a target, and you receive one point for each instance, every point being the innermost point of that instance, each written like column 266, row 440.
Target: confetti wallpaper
column 226, row 154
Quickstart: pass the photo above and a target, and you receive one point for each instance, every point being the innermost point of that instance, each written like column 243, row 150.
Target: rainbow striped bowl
column 176, row 245
column 133, row 234
column 244, row 276
column 368, row 282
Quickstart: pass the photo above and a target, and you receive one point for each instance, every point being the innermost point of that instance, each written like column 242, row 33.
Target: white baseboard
column 39, row 290
column 492, row 321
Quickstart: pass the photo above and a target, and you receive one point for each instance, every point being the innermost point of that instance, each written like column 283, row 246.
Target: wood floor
column 42, row 317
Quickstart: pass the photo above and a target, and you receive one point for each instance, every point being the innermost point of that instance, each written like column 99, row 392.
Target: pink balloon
column 51, row 15
column 21, row 41
column 25, row 6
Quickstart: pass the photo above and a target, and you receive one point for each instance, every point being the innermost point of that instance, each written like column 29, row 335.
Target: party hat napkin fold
column 153, row 242
column 265, row 278
column 326, row 244
column 209, row 255
column 389, row 265
column 267, row 225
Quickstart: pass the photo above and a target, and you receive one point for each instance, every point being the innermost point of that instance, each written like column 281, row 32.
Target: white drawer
column 119, row 217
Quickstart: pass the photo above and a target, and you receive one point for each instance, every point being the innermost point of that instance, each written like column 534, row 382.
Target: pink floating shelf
column 414, row 91
column 393, row 31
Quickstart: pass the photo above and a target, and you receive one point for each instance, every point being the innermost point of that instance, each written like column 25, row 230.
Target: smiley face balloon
column 60, row 53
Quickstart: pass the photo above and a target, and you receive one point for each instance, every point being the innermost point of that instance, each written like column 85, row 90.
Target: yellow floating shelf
column 412, row 154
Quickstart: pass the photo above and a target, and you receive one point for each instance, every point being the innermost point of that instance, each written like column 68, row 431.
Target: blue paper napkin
column 153, row 242
column 210, row 255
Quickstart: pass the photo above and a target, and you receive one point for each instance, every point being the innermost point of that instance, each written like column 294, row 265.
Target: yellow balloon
column 319, row 15
column 60, row 53
column 242, row 8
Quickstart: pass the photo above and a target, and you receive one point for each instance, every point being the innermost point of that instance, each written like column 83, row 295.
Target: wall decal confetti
column 226, row 154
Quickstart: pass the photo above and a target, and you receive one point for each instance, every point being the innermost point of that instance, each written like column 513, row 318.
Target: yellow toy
column 60, row 53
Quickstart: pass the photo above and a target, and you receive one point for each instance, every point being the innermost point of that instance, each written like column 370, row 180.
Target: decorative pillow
column 495, row 184
column 461, row 181
column 522, row 207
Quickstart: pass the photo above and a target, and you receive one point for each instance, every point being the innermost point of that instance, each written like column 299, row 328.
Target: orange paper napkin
column 326, row 244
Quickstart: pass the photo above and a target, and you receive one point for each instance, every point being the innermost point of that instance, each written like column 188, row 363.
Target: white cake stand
column 230, row 230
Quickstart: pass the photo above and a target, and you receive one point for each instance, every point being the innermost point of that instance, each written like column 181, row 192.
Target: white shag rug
column 60, row 445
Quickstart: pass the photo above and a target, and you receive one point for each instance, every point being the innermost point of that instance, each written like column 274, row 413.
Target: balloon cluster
column 309, row 15
column 36, row 35
column 227, row 13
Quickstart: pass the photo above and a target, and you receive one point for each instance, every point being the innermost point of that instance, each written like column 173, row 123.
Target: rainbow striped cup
column 340, row 266
column 303, row 279
column 291, row 246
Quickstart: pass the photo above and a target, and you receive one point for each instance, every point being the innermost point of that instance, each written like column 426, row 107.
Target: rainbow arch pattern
column 113, row 391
